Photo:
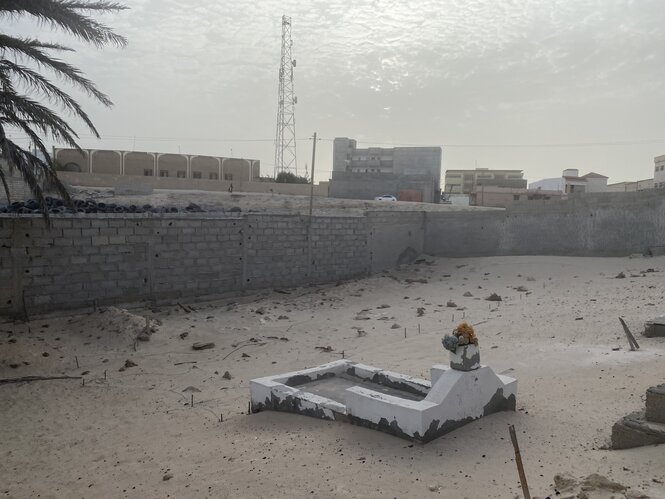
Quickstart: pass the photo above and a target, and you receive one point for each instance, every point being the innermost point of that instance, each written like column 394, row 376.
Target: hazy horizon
column 533, row 85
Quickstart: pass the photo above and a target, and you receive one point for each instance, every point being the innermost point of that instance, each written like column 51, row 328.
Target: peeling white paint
column 452, row 397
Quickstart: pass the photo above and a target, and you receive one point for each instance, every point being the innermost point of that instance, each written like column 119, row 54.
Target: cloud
column 447, row 70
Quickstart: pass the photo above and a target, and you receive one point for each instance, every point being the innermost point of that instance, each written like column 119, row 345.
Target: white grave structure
column 411, row 408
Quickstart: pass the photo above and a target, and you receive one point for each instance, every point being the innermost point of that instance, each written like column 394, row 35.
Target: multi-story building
column 153, row 164
column 466, row 181
column 408, row 173
column 659, row 172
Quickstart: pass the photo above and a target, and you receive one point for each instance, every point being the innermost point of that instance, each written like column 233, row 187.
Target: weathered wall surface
column 83, row 261
column 603, row 224
column 203, row 184
column 104, row 259
column 395, row 240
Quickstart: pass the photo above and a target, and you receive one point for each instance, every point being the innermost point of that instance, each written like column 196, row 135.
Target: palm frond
column 65, row 14
column 5, row 185
column 37, row 115
column 41, row 84
column 33, row 50
column 33, row 118
column 13, row 120
column 23, row 162
column 34, row 171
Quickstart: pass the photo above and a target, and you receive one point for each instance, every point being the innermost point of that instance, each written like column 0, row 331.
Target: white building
column 637, row 185
column 570, row 182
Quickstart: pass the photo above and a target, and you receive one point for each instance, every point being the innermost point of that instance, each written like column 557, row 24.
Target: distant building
column 638, row 185
column 503, row 197
column 408, row 173
column 659, row 172
column 154, row 164
column 465, row 181
column 570, row 182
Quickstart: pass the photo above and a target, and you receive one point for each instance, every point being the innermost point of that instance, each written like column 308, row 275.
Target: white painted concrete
column 452, row 398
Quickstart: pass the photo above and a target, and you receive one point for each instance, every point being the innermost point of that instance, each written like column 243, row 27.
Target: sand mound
column 114, row 325
column 592, row 486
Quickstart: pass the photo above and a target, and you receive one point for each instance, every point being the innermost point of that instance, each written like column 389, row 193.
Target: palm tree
column 23, row 85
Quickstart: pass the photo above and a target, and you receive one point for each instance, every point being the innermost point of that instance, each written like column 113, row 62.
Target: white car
column 385, row 197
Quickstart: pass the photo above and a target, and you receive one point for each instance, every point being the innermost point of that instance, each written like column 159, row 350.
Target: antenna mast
column 285, row 141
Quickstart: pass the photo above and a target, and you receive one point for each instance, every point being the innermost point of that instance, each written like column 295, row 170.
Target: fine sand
column 130, row 431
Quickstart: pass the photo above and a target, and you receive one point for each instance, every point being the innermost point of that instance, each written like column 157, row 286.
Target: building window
column 516, row 197
column 196, row 174
column 228, row 176
column 164, row 173
column 213, row 176
column 182, row 174
column 147, row 172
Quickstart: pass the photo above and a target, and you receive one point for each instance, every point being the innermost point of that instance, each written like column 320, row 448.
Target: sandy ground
column 132, row 433
column 248, row 201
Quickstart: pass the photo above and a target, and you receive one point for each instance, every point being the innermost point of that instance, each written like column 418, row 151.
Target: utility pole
column 310, row 249
column 311, row 183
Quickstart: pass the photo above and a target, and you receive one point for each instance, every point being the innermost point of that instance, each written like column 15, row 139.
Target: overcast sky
column 476, row 77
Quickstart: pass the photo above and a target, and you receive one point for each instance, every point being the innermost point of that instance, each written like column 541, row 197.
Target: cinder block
column 100, row 240
column 655, row 404
column 61, row 241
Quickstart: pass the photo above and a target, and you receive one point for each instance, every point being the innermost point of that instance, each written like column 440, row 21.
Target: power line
column 616, row 143
column 525, row 146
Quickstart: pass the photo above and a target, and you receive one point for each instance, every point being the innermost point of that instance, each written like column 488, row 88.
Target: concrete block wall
column 602, row 224
column 114, row 259
column 83, row 262
column 339, row 248
column 239, row 186
column 95, row 260
column 395, row 238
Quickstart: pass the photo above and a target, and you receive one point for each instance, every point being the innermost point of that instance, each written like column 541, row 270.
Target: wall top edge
column 163, row 216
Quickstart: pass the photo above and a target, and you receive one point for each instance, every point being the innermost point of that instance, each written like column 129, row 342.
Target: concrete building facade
column 408, row 173
column 570, row 182
column 659, row 172
column 465, row 181
column 638, row 185
column 503, row 197
column 153, row 164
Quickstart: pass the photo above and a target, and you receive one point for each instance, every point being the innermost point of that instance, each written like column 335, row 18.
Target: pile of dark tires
column 56, row 206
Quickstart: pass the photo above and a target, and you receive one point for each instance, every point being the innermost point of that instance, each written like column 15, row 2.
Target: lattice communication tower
column 285, row 141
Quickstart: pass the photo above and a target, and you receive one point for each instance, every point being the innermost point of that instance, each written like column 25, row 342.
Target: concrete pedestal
column 643, row 427
column 635, row 431
column 465, row 358
column 404, row 406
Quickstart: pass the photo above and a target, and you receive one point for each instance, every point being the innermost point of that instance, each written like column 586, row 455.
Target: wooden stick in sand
column 631, row 339
column 518, row 460
column 27, row 379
